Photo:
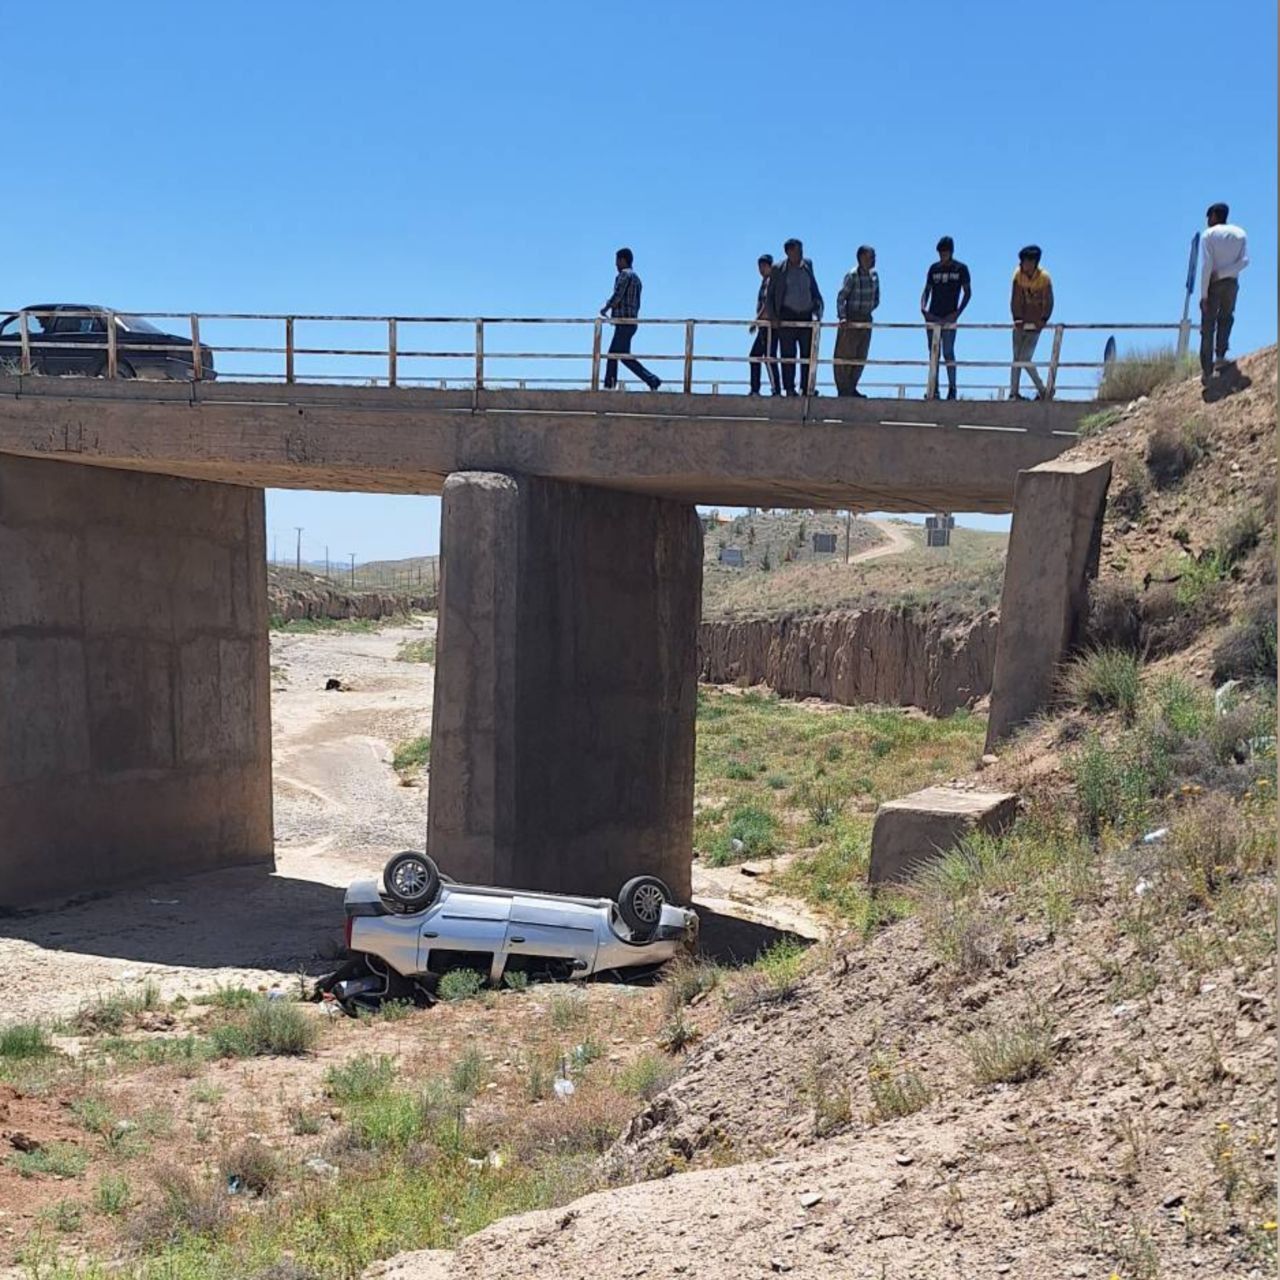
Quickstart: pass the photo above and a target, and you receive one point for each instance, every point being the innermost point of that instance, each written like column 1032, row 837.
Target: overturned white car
column 417, row 925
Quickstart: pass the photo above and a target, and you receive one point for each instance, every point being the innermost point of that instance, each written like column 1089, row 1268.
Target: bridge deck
column 890, row 455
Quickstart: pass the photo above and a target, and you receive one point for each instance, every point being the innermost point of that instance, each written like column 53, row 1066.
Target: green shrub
column 417, row 651
column 1114, row 784
column 1093, row 424
column 823, row 801
column 736, row 771
column 460, row 984
column 61, row 1159
column 391, row 1121
column 1114, row 618
column 751, row 832
column 468, row 1072
column 686, row 978
column 645, row 1077
column 113, row 1196
column 266, row 1028
column 1104, row 680
column 1013, row 1052
column 111, row 1013
column 25, row 1040
column 894, row 1092
column 363, row 1076
column 1138, row 373
column 1237, row 536
column 228, row 997
column 412, row 755
column 515, row 980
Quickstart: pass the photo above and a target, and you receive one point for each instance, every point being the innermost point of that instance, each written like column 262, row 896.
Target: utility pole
column 326, row 562
column 297, row 564
column 848, row 527
column 275, row 546
column 353, row 570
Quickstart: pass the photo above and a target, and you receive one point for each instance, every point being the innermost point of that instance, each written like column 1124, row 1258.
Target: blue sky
column 489, row 159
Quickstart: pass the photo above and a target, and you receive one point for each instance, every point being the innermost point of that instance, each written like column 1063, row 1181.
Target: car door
column 39, row 324
column 543, row 927
column 465, row 929
column 79, row 344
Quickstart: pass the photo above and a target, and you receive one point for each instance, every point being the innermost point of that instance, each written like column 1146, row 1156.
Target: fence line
column 115, row 336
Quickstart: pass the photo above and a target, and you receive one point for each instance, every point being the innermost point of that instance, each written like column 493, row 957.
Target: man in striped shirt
column 622, row 307
column 859, row 296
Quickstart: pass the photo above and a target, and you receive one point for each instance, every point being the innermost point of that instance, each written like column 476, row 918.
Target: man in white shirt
column 1224, row 256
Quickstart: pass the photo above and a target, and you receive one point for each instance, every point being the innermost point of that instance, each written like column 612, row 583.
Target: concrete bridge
column 133, row 655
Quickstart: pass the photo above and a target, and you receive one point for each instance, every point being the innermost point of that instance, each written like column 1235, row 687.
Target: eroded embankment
column 289, row 604
column 894, row 656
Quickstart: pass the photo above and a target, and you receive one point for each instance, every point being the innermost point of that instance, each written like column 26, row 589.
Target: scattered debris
column 334, row 685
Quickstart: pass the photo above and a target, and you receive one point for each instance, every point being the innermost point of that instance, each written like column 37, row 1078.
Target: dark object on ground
column 1226, row 383
column 333, row 685
column 71, row 338
column 363, row 984
column 1114, row 617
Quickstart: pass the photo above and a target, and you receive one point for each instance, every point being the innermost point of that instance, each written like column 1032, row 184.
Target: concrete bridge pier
column 565, row 686
column 135, row 731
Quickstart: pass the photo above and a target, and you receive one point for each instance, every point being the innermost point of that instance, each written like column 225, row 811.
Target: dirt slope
column 1123, row 1157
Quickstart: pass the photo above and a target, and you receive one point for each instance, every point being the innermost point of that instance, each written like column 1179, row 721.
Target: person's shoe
column 1218, row 367
column 753, row 393
column 1039, row 395
column 951, row 395
column 1016, row 395
column 655, row 384
column 858, row 395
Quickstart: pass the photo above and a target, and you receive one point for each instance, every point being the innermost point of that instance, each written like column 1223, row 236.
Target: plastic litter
column 1142, row 888
column 1222, row 697
column 563, row 1088
column 235, row 1185
column 276, row 994
column 1154, row 837
column 736, row 845
column 356, row 987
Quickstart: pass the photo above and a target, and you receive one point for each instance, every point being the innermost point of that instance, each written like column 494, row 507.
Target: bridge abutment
column 135, row 732
column 565, row 685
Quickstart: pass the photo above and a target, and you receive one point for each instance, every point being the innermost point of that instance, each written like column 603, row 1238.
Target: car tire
column 412, row 879
column 641, row 901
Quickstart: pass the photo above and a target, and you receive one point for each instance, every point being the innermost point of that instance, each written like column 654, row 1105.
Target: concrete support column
column 1054, row 545
column 565, row 686
column 135, row 729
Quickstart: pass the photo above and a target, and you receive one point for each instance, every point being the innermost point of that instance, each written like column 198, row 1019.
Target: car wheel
column 411, row 879
column 641, row 902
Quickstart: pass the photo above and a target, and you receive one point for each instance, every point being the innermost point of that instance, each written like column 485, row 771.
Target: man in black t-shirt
column 946, row 294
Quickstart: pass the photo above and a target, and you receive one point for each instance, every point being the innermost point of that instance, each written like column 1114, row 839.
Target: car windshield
column 136, row 324
column 12, row 324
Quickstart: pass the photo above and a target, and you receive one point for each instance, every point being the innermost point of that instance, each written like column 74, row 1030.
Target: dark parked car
column 69, row 338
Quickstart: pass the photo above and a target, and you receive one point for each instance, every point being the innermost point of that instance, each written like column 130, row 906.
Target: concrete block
column 1054, row 544
column 920, row 827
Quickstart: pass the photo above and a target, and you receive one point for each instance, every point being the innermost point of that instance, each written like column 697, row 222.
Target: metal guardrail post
column 935, row 346
column 1184, row 337
column 688, row 357
column 811, row 381
column 1054, row 357
column 391, row 352
column 112, row 363
column 197, row 355
column 24, row 338
column 288, row 348
column 479, row 355
column 595, row 353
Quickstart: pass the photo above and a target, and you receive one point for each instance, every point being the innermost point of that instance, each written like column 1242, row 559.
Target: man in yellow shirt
column 1031, row 305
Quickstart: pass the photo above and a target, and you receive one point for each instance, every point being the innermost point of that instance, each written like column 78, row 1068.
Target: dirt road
column 899, row 541
column 340, row 810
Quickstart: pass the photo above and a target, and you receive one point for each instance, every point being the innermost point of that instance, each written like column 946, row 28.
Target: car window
column 12, row 325
column 79, row 324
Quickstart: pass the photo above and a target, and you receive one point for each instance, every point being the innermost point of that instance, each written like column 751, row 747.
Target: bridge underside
column 133, row 649
column 886, row 455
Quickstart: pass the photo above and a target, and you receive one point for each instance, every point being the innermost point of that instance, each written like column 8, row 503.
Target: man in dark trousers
column 1224, row 254
column 794, row 303
column 1031, row 305
column 946, row 294
column 859, row 297
column 764, row 350
column 622, row 308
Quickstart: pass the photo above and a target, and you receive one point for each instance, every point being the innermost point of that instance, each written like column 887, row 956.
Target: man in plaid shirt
column 859, row 296
column 623, row 306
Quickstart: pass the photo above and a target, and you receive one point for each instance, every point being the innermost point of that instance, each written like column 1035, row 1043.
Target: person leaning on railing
column 623, row 305
column 1032, row 305
column 859, row 297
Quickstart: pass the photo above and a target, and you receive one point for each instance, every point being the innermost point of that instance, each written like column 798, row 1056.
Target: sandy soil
column 340, row 810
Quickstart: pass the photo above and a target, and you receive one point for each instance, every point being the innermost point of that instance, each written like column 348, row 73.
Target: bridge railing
column 699, row 354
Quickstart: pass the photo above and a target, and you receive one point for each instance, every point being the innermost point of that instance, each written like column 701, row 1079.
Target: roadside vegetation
column 423, row 650
column 316, row 626
column 411, row 758
column 1139, row 372
column 778, row 777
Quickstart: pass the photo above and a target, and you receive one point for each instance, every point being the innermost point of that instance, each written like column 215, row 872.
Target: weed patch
column 266, row 1028
column 460, row 984
column 1012, row 1053
column 417, row 651
column 412, row 755
column 25, row 1040
column 1139, row 372
column 1104, row 680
